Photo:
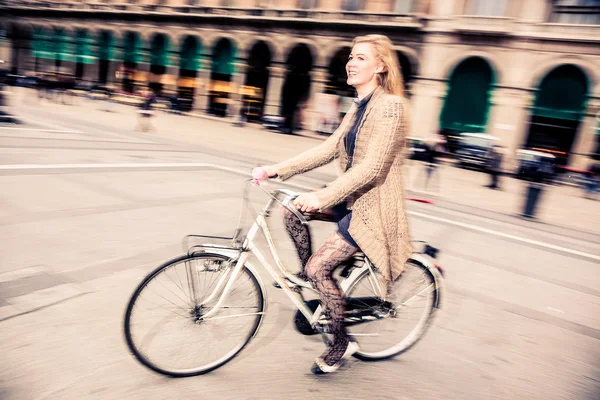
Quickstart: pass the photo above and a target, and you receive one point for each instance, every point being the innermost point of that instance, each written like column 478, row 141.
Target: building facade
column 525, row 71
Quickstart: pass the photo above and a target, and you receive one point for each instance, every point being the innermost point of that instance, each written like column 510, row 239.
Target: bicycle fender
column 261, row 284
column 427, row 263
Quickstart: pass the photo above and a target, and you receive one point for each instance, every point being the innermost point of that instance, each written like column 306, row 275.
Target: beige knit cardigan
column 373, row 185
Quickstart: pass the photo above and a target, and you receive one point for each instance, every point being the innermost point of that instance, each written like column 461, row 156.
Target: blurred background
column 523, row 71
column 503, row 165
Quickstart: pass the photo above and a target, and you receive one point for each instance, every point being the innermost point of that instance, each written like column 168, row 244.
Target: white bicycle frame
column 281, row 275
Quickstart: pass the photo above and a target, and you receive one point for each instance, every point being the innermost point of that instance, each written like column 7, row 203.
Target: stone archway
column 189, row 64
column 159, row 61
column 84, row 44
column 407, row 69
column 336, row 71
column 558, row 111
column 104, row 54
column 467, row 103
column 257, row 79
column 21, row 38
column 133, row 54
column 296, row 87
column 222, row 70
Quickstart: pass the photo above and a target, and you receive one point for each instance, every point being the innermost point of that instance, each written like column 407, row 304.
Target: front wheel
column 164, row 324
column 386, row 327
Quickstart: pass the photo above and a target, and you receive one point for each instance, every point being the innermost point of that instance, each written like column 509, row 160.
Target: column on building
column 17, row 59
column 90, row 73
column 236, row 99
column 509, row 119
column 445, row 8
column 113, row 68
column 533, row 10
column 318, row 80
column 430, row 87
column 26, row 60
column 6, row 51
column 202, row 86
column 427, row 100
column 172, row 69
column 273, row 99
column 586, row 139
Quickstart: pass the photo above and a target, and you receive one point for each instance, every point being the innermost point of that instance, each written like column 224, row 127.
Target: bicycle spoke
column 168, row 332
column 232, row 316
column 406, row 302
column 378, row 325
column 184, row 300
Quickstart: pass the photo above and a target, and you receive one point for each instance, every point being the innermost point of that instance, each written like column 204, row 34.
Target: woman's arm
column 315, row 157
column 384, row 146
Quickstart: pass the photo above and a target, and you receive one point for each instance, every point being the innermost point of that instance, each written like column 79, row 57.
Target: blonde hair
column 391, row 79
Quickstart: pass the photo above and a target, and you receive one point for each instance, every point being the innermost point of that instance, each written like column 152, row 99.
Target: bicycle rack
column 226, row 243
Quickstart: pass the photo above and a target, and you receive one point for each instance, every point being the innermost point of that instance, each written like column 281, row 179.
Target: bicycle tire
column 415, row 334
column 151, row 364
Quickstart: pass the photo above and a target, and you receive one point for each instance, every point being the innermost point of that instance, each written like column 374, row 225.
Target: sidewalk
column 562, row 206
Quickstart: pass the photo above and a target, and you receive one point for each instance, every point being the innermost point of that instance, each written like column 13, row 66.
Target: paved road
column 520, row 319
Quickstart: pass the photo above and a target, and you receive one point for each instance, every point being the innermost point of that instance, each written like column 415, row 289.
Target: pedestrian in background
column 146, row 113
column 592, row 181
column 494, row 166
column 434, row 147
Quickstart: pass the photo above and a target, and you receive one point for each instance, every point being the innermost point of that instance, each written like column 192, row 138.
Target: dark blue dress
column 341, row 213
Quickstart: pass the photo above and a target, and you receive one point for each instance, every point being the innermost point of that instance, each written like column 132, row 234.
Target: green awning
column 85, row 47
column 64, row 46
column 159, row 51
column 467, row 102
column 223, row 59
column 53, row 45
column 133, row 49
column 189, row 55
column 562, row 94
column 43, row 44
column 107, row 48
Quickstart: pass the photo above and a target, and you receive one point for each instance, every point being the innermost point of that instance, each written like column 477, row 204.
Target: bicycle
column 221, row 286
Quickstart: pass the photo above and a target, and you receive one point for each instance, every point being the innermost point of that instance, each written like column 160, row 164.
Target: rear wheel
column 164, row 324
column 387, row 327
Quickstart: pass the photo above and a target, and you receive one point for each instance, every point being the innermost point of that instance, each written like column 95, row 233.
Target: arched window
column 576, row 12
column 352, row 5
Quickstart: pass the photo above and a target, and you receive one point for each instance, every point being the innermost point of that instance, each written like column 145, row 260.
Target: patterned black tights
column 318, row 269
column 300, row 235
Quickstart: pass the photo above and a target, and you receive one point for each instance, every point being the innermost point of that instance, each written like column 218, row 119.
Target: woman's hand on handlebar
column 307, row 202
column 259, row 174
column 270, row 170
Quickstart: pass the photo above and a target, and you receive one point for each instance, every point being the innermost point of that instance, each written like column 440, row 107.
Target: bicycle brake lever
column 294, row 210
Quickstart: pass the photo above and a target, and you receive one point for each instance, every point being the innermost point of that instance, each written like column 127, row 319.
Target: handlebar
column 291, row 196
column 286, row 202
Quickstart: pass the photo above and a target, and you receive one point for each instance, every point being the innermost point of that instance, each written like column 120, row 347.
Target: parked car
column 417, row 148
column 273, row 122
column 28, row 81
column 473, row 149
column 535, row 165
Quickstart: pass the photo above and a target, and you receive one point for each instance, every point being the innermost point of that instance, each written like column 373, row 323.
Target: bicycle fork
column 222, row 287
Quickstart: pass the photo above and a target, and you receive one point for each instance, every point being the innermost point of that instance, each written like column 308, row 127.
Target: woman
column 367, row 199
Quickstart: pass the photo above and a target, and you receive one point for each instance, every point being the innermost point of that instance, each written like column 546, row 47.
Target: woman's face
column 363, row 65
